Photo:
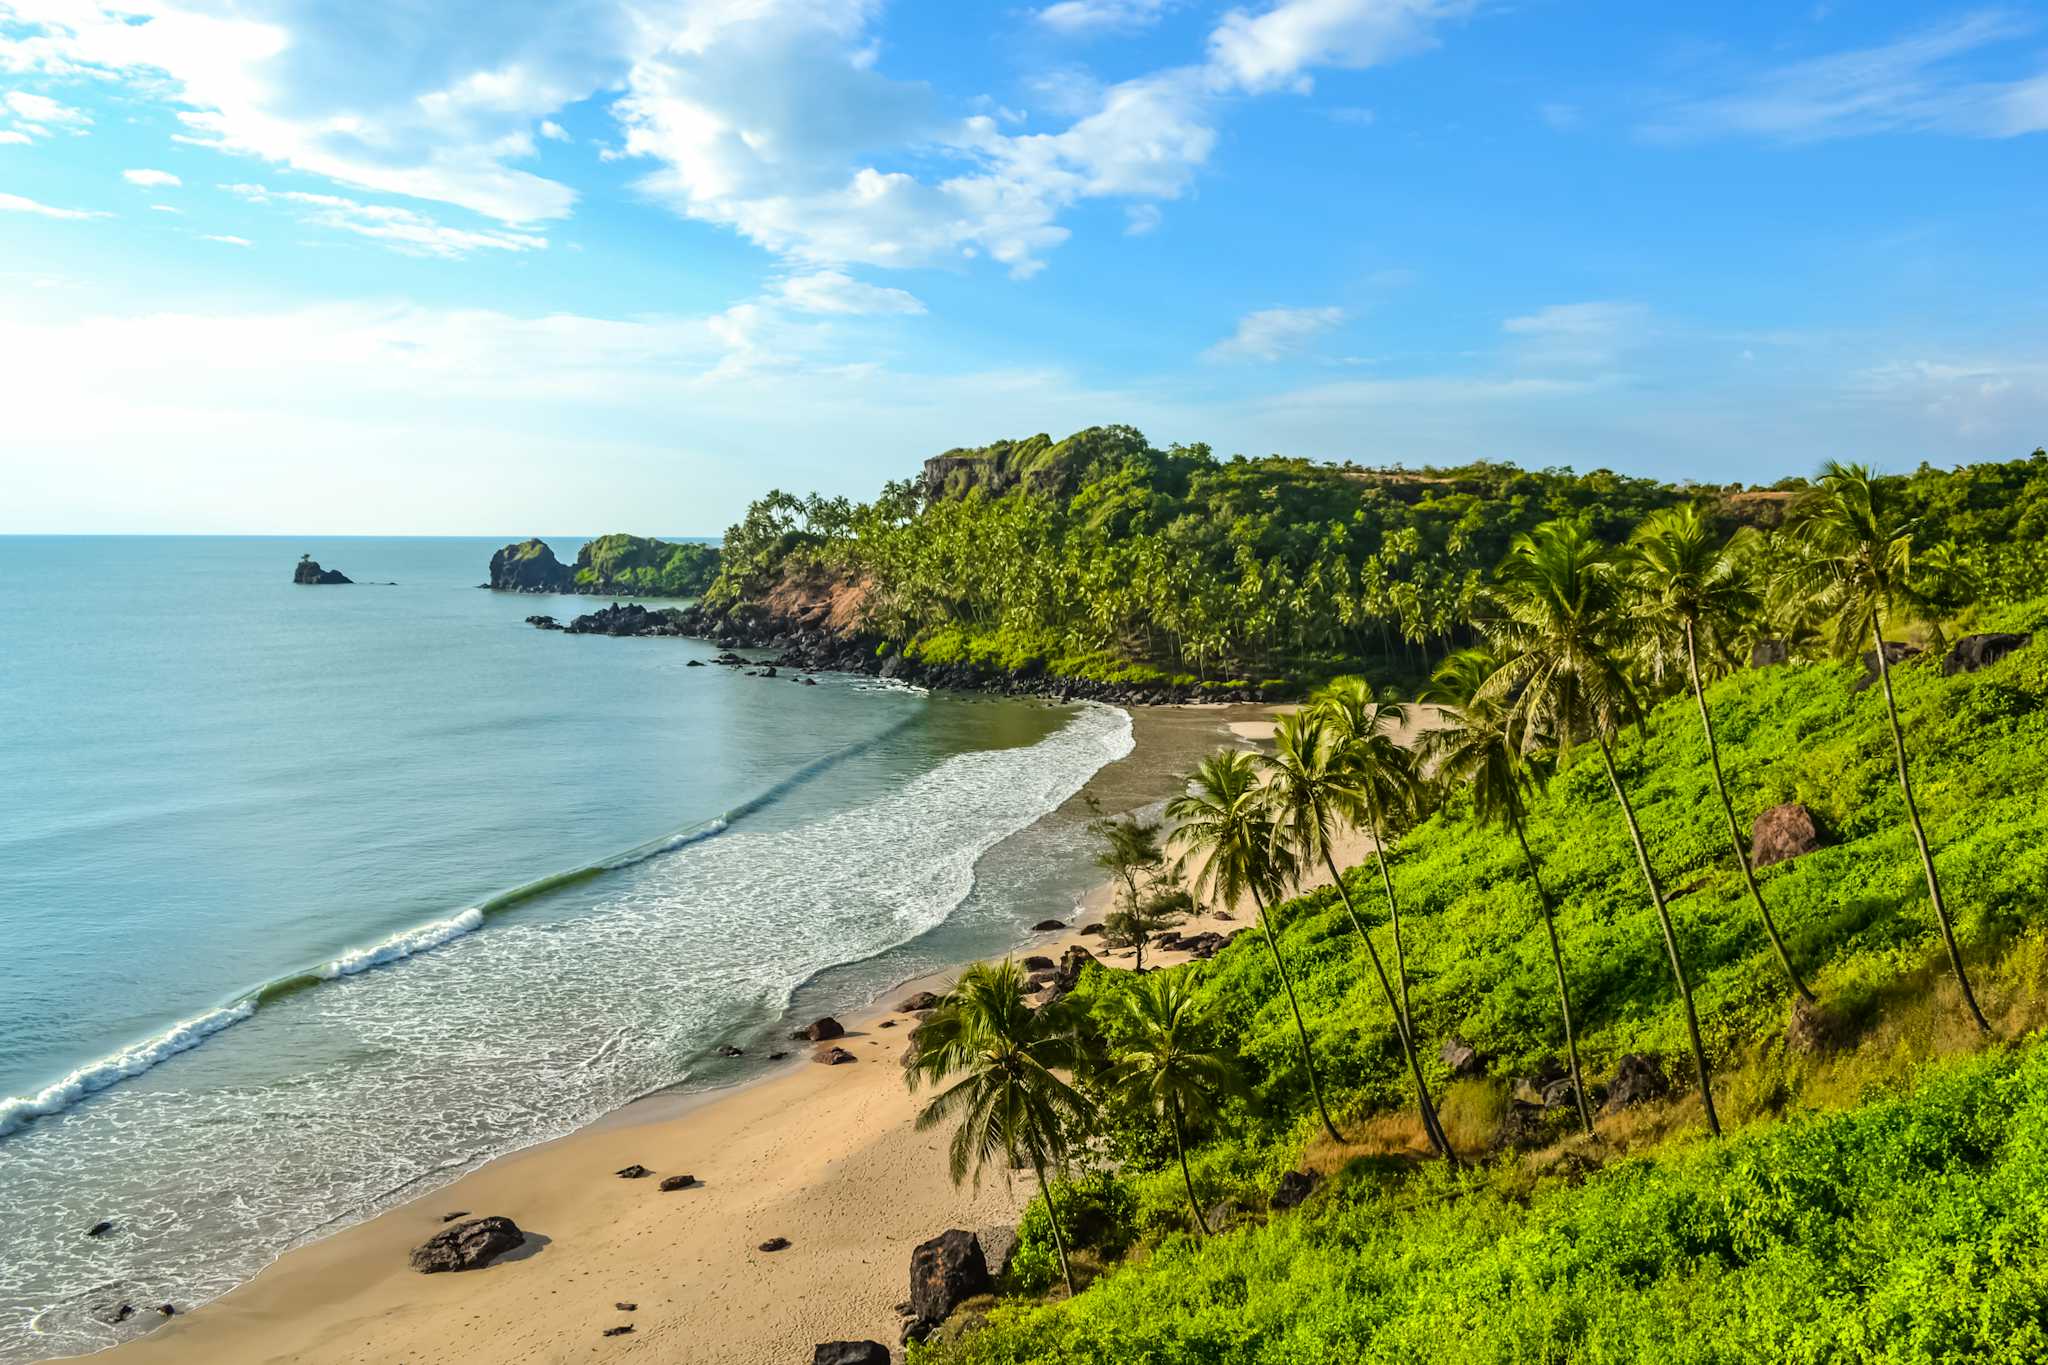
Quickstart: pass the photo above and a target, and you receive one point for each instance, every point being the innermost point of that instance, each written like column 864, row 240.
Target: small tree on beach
column 998, row 1059
column 1128, row 849
column 1164, row 1068
column 1226, row 827
column 1137, row 924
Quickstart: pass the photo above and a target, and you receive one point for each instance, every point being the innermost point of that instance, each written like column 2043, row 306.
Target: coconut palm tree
column 1558, row 627
column 1384, row 778
column 997, row 1059
column 1481, row 744
column 1690, row 587
column 1164, row 1068
column 1315, row 785
column 1225, row 827
column 1851, row 569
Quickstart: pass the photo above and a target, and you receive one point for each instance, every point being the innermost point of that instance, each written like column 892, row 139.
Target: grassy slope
column 1906, row 1221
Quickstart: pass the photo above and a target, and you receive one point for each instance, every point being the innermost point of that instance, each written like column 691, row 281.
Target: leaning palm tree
column 1689, row 586
column 1482, row 745
column 1558, row 630
column 1005, row 1098
column 1164, row 1068
column 1851, row 568
column 1225, row 827
column 1384, row 785
column 1315, row 785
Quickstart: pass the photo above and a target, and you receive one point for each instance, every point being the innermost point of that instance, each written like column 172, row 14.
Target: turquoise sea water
column 284, row 935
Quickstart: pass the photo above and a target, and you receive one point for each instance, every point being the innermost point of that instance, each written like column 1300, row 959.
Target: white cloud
column 1275, row 48
column 227, row 239
column 152, row 179
column 1099, row 16
column 13, row 136
column 1913, row 84
column 403, row 230
column 553, row 131
column 1272, row 333
column 1140, row 219
column 164, row 208
column 832, row 291
column 41, row 109
column 1577, row 335
column 14, row 203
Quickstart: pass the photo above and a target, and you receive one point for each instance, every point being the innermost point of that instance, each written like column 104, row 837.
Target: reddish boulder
column 1783, row 833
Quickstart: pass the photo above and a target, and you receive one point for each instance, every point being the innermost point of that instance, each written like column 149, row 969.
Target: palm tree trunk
column 1430, row 1124
column 1059, row 1243
column 1308, row 1059
column 1699, row 693
column 1948, row 933
column 1180, row 1150
column 1394, row 916
column 1564, row 995
column 1692, row 1018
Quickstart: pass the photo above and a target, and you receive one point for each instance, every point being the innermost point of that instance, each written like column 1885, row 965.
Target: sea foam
column 132, row 1060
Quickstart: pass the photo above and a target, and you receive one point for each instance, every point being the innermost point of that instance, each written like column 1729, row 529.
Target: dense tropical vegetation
column 1880, row 1190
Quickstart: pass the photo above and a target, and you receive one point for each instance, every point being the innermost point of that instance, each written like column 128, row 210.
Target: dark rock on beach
column 1783, row 833
column 850, row 1353
column 1038, row 962
column 820, row 1030
column 621, row 1330
column 628, row 620
column 998, row 1248
column 677, row 1182
column 834, row 1056
column 1973, row 652
column 1089, row 930
column 451, row 1217
column 945, row 1272
column 923, row 1000
column 1047, row 926
column 775, row 1244
column 309, row 571
column 467, row 1246
column 633, row 1172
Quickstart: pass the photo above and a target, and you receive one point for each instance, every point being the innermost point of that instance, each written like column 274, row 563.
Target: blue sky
column 300, row 265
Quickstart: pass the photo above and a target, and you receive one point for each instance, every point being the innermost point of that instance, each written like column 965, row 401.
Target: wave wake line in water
column 16, row 1112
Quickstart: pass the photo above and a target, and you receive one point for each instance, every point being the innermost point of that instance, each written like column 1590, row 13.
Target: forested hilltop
column 1102, row 559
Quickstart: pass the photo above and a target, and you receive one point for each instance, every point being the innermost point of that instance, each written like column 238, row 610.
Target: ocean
column 313, row 898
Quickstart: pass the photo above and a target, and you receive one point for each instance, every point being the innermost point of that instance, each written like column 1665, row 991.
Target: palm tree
column 1225, row 826
column 1852, row 570
column 1315, row 784
column 1685, row 580
column 1559, row 634
column 1164, row 1067
column 1481, row 744
column 1383, row 781
column 1000, row 1057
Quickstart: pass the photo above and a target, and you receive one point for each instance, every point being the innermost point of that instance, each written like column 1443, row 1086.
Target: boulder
column 1047, row 926
column 622, row 1330
column 1896, row 652
column 775, row 1244
column 1973, row 652
column 1461, row 1057
column 1038, row 962
column 1783, row 833
column 820, row 1030
column 923, row 1000
column 543, row 623
column 309, row 571
column 1068, row 974
column 671, row 1183
column 945, row 1272
column 998, row 1248
column 1558, row 1094
column 1294, row 1187
column 471, row 1245
column 101, row 1228
column 1638, row 1078
column 1089, row 929
column 833, row 1056
column 633, row 1172
column 1767, row 652
column 530, row 566
column 850, row 1353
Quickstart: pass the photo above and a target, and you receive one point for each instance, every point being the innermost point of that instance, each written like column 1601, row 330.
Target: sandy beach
column 823, row 1156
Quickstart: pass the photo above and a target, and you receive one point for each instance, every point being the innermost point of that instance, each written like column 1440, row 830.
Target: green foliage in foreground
column 1910, row 1229
column 1913, row 1229
column 654, row 568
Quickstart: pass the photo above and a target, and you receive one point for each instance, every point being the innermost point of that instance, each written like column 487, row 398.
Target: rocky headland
column 613, row 566
column 309, row 571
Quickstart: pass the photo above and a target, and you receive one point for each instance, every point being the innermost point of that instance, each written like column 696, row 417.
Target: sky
column 361, row 266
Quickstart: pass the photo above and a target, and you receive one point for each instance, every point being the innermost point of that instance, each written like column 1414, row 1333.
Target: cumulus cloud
column 14, row 136
column 1273, row 333
column 1915, row 83
column 152, row 180
column 833, row 291
column 403, row 230
column 1101, row 16
column 1276, row 48
column 14, row 203
column 38, row 115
